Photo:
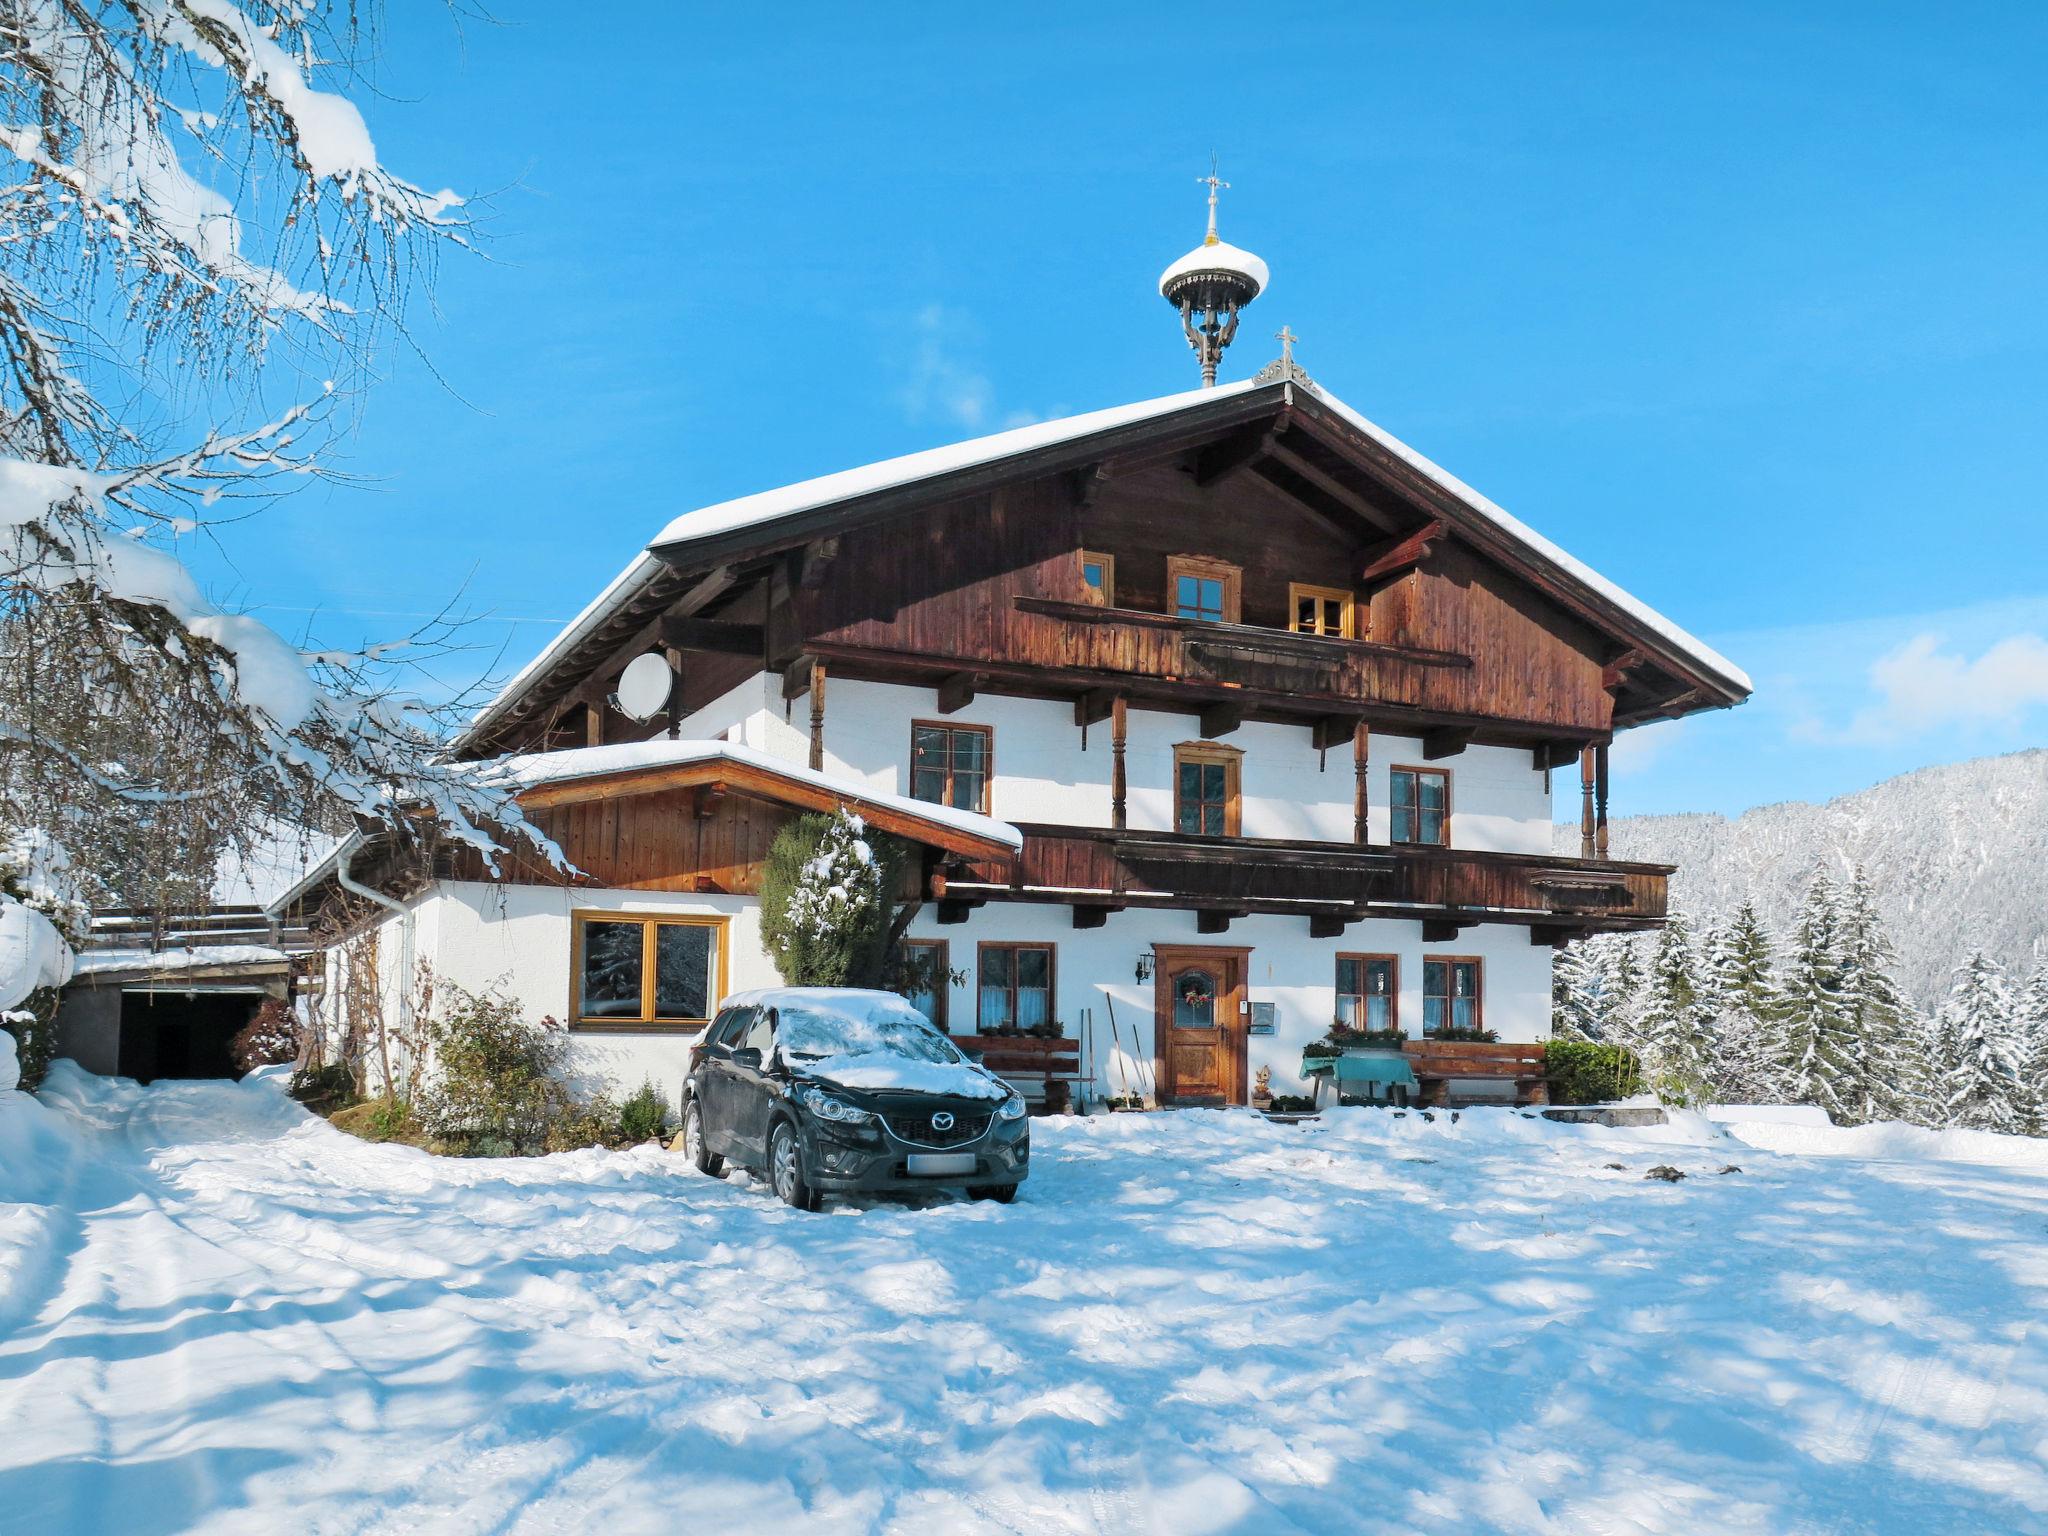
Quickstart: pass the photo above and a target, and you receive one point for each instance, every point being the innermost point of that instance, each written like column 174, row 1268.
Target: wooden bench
column 1438, row 1063
column 1027, row 1063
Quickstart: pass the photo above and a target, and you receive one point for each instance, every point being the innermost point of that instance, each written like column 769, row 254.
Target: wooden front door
column 1199, row 1025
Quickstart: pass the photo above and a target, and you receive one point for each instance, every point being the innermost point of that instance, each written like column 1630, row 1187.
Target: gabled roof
column 808, row 508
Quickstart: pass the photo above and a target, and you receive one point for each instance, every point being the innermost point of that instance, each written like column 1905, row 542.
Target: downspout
column 355, row 887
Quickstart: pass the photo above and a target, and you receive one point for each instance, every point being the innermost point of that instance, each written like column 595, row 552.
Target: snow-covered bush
column 827, row 901
column 40, row 920
column 496, row 1088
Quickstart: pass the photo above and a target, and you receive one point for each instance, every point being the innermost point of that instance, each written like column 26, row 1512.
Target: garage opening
column 183, row 1034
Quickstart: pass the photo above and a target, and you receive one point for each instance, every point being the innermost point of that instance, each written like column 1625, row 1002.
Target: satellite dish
column 644, row 686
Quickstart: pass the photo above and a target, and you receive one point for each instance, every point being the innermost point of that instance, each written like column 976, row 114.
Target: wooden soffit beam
column 1446, row 743
column 1222, row 459
column 723, row 636
column 1307, row 469
column 1402, row 555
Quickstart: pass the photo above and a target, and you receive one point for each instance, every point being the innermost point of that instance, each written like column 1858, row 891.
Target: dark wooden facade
column 968, row 580
column 970, row 577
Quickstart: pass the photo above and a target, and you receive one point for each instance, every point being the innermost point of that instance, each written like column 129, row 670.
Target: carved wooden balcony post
column 1361, row 757
column 1117, row 783
column 1600, row 818
column 1586, row 841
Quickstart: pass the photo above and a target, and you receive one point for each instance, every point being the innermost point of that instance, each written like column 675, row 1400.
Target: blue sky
column 1743, row 305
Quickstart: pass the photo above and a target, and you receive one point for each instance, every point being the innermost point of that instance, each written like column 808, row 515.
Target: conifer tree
column 1980, row 1077
column 2032, row 1030
column 1886, row 1063
column 1814, row 1049
column 1621, row 998
column 1746, row 1070
column 1577, row 978
column 1676, row 1028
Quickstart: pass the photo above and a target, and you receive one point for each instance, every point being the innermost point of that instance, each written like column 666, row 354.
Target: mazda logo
column 943, row 1120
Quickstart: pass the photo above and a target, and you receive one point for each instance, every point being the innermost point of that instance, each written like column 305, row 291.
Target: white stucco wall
column 517, row 937
column 1286, row 968
column 1499, row 802
column 520, row 936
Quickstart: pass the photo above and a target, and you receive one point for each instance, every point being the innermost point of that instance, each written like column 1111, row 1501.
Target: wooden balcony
column 1098, row 870
column 1165, row 647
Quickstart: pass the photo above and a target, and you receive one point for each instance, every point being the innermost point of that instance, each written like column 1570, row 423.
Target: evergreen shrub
column 644, row 1115
column 1586, row 1072
column 827, row 900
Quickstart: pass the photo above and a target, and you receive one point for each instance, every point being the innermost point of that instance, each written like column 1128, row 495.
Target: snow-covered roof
column 530, row 770
column 1678, row 639
column 822, row 491
column 276, row 862
column 170, row 962
column 767, row 507
column 1218, row 256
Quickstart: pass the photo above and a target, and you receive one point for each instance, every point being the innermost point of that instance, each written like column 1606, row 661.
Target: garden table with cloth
column 1390, row 1069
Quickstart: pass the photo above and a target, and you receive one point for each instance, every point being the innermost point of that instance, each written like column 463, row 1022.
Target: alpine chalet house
column 1226, row 709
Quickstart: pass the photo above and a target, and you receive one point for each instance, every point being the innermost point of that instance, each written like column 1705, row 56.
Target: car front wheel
column 786, row 1169
column 694, row 1146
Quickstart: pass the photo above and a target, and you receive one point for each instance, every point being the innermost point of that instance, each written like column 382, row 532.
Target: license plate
column 941, row 1162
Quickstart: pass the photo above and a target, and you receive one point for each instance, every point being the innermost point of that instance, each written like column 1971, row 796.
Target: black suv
column 835, row 1089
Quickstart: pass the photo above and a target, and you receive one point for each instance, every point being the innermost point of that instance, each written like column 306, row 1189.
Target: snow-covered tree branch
column 193, row 223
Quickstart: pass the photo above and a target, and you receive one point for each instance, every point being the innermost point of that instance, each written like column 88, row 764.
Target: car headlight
column 1013, row 1108
column 825, row 1107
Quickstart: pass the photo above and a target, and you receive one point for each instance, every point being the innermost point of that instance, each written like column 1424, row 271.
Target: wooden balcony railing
column 1103, row 869
column 1133, row 643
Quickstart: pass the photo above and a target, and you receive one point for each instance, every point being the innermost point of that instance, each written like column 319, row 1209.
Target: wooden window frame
column 1232, row 759
column 1297, row 590
column 943, row 987
column 1393, row 986
column 1206, row 568
column 650, row 924
column 1107, row 596
column 1052, row 976
column 1439, row 773
column 1450, row 997
column 988, row 775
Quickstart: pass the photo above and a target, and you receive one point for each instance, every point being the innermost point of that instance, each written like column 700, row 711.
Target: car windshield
column 811, row 1031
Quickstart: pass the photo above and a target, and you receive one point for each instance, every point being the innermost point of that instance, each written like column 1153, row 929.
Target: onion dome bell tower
column 1209, row 286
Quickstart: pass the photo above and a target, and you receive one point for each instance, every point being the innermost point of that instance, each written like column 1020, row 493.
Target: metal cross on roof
column 1214, row 183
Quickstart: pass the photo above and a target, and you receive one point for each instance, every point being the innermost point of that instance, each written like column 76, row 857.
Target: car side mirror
column 747, row 1056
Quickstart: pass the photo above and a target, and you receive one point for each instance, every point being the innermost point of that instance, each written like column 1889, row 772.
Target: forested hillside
column 1956, row 857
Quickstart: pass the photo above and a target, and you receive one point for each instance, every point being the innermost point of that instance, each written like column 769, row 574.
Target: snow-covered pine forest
column 1956, row 855
column 1726, row 1011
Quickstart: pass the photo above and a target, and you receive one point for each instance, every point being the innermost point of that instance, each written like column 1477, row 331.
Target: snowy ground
column 219, row 1314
